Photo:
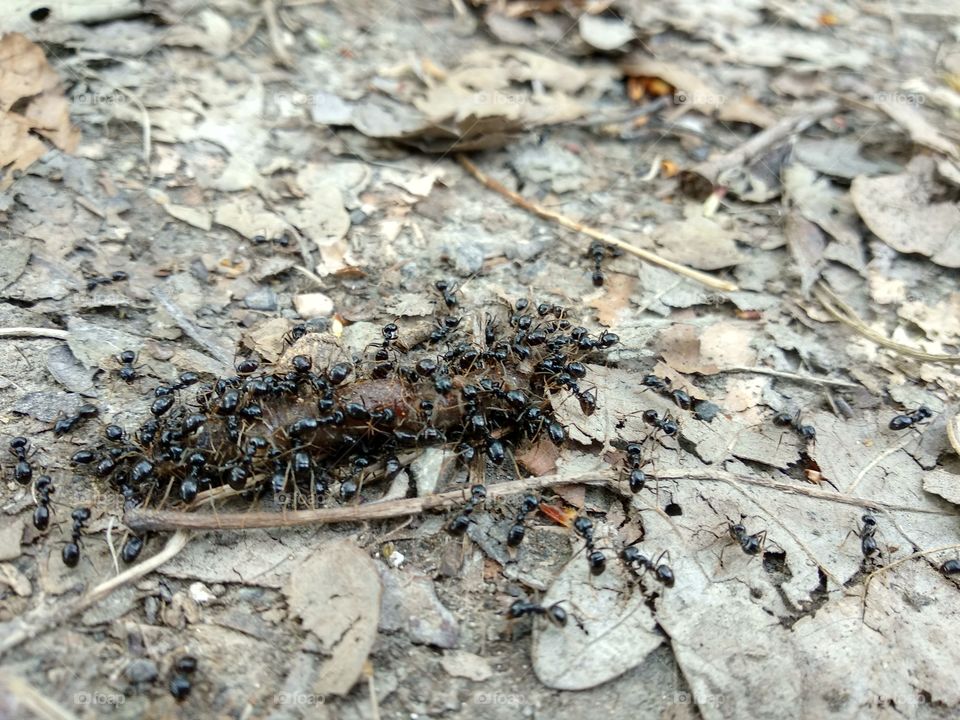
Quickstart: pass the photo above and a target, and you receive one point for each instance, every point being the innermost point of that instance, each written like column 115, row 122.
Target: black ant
column 43, row 488
column 595, row 558
column 750, row 544
column 867, row 534
column 447, row 289
column 22, row 471
column 914, row 417
column 461, row 522
column 518, row 531
column 951, row 567
column 127, row 372
column 131, row 549
column 71, row 551
column 597, row 251
column 807, row 432
column 703, row 410
column 115, row 276
column 665, row 424
column 180, row 685
column 637, row 478
column 65, row 425
column 640, row 564
column 554, row 613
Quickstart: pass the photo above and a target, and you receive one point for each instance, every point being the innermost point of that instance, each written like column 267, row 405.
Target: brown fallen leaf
column 28, row 83
column 615, row 300
column 698, row 242
column 806, row 244
column 342, row 609
column 540, row 458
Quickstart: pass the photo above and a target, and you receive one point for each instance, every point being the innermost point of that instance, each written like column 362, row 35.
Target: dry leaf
column 899, row 209
column 540, row 458
column 921, row 131
column 342, row 609
column 690, row 89
column 699, row 242
column 28, row 82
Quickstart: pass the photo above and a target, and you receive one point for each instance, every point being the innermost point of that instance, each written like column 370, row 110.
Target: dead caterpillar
column 311, row 430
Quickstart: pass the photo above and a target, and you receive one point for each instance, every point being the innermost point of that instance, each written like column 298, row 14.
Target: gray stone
column 262, row 298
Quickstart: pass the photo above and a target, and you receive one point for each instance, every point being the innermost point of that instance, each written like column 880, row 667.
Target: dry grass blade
column 845, row 314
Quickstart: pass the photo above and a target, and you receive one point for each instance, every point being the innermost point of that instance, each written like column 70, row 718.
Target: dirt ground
column 251, row 165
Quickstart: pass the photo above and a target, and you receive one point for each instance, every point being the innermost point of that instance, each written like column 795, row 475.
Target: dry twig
column 547, row 214
column 25, row 627
column 30, row 332
column 158, row 520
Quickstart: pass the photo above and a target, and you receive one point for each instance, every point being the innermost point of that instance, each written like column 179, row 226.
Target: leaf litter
column 254, row 172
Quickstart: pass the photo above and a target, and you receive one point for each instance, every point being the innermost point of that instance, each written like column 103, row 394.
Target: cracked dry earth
column 327, row 191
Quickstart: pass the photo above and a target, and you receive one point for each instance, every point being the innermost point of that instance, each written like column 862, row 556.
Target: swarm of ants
column 307, row 434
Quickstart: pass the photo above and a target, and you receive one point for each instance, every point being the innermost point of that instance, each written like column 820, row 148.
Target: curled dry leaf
column 690, row 89
column 953, row 430
column 901, row 211
column 921, row 131
column 605, row 33
column 342, row 609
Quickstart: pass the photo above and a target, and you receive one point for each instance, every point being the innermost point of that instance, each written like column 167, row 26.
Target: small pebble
column 262, row 298
column 142, row 671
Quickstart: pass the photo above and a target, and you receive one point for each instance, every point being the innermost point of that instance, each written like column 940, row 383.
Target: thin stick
column 38, row 703
column 813, row 379
column 848, row 316
column 152, row 520
column 877, row 459
column 159, row 520
column 753, row 148
column 204, row 338
column 273, row 30
column 22, row 629
column 890, row 566
column 569, row 223
column 31, row 332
